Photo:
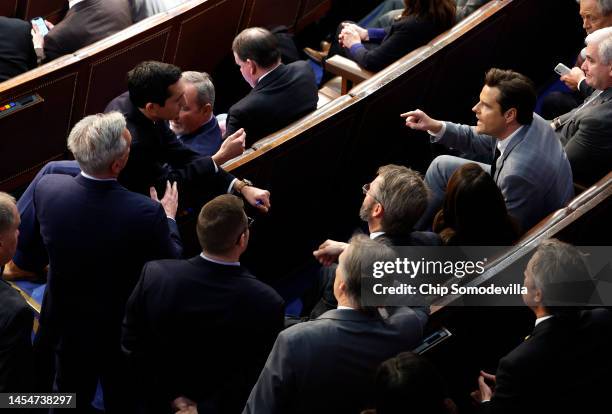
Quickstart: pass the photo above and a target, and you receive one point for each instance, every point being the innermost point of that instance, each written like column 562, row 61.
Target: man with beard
column 393, row 203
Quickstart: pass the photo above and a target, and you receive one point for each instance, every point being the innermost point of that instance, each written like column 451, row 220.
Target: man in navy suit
column 227, row 319
column 564, row 366
column 281, row 93
column 98, row 235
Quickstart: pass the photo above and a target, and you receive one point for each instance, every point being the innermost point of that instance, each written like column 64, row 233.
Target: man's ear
column 510, row 115
column 252, row 67
column 377, row 210
column 206, row 109
column 151, row 108
column 538, row 297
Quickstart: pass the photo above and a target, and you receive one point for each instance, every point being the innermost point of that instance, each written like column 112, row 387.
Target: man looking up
column 281, row 93
column 228, row 319
column 523, row 155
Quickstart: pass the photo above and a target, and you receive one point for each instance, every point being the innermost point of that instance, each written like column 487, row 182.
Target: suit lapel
column 515, row 140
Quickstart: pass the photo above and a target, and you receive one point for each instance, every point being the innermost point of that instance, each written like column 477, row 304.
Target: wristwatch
column 239, row 185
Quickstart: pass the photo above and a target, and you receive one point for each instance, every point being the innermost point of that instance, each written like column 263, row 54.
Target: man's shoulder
column 11, row 24
column 13, row 304
column 120, row 104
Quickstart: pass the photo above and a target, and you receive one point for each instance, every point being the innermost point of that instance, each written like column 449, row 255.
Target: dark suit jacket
column 86, row 23
column 156, row 155
column 98, row 236
column 404, row 36
column 561, row 367
column 283, row 96
column 16, row 319
column 201, row 329
column 586, row 133
column 16, row 48
column 327, row 365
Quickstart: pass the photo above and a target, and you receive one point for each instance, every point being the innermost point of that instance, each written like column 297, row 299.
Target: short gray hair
column 359, row 259
column 558, row 268
column 97, row 140
column 403, row 195
column 203, row 83
column 605, row 6
column 7, row 215
column 602, row 38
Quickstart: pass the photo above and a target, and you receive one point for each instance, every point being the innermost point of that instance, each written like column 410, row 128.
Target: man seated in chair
column 281, row 93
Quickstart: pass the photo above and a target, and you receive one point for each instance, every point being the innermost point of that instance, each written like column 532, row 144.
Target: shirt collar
column 89, row 177
column 267, row 73
column 376, row 234
column 72, row 3
column 542, row 319
column 221, row 262
column 345, row 307
column 503, row 144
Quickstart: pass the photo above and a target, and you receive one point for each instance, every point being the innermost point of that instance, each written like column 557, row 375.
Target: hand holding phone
column 40, row 25
column 561, row 69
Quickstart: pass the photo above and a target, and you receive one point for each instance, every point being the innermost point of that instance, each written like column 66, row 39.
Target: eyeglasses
column 366, row 191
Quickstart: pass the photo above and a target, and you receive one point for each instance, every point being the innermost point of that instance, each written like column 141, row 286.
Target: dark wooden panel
column 108, row 69
column 8, row 8
column 270, row 13
column 52, row 10
column 205, row 37
column 38, row 133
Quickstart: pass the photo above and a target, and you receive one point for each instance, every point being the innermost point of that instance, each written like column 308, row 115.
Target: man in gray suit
column 522, row 153
column 328, row 364
column 586, row 131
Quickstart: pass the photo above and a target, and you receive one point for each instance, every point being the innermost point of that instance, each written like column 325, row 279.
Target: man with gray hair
column 564, row 365
column 98, row 235
column 196, row 125
column 327, row 365
column 586, row 131
column 281, row 93
column 393, row 203
column 16, row 316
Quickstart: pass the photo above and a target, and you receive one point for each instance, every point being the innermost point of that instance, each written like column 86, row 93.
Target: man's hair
column 149, row 82
column 97, row 140
column 221, row 222
column 603, row 39
column 403, row 195
column 515, row 91
column 257, row 44
column 560, row 272
column 204, row 86
column 409, row 380
column 605, row 6
column 359, row 259
column 7, row 208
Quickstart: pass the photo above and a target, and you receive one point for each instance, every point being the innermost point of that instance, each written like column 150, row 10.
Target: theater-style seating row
column 196, row 35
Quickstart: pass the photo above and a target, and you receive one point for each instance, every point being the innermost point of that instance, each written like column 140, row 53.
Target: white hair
column 602, row 38
column 97, row 140
column 605, row 6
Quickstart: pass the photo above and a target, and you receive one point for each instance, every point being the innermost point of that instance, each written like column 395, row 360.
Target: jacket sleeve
column 276, row 385
column 15, row 351
column 403, row 38
column 465, row 139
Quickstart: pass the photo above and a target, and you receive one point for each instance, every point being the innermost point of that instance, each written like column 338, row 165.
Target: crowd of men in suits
column 98, row 223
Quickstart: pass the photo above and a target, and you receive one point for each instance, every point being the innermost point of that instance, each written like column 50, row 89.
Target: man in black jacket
column 16, row 317
column 281, row 93
column 16, row 50
column 564, row 365
column 201, row 329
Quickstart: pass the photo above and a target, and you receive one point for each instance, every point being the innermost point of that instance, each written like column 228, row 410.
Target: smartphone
column 561, row 69
column 40, row 23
